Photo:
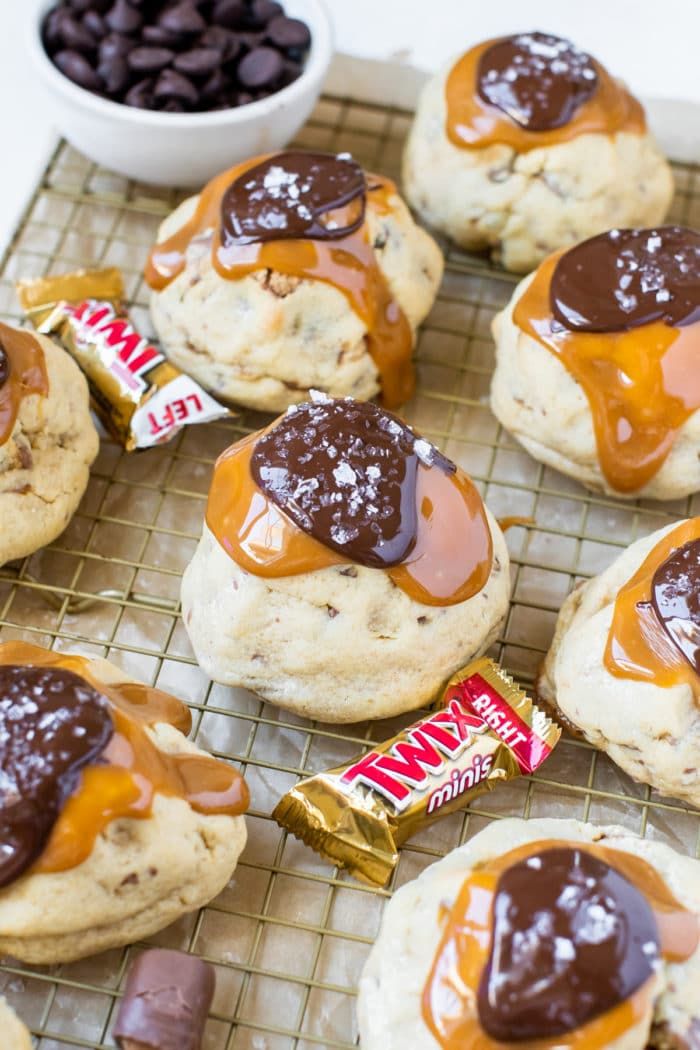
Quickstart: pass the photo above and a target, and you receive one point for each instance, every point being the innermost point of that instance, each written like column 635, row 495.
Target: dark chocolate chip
column 140, row 96
column 262, row 11
column 113, row 45
column 216, row 87
column 244, row 98
column 249, row 41
column 172, row 106
column 261, row 67
column 292, row 71
column 224, row 40
column 51, row 30
column 95, row 24
column 115, row 74
column 76, row 36
column 289, row 33
column 230, row 13
column 199, row 62
column 150, row 59
column 77, row 68
column 160, row 37
column 183, row 18
column 99, row 6
column 123, row 18
column 172, row 84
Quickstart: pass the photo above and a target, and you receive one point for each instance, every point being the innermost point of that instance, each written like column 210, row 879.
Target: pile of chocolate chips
column 177, row 56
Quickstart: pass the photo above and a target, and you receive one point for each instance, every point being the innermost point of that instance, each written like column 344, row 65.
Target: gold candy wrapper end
column 141, row 398
column 484, row 731
column 356, row 841
column 39, row 296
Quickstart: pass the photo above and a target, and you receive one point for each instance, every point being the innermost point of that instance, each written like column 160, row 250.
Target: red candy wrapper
column 485, row 731
column 142, row 399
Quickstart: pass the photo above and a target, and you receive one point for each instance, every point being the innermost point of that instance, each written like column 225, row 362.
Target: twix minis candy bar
column 484, row 731
column 142, row 399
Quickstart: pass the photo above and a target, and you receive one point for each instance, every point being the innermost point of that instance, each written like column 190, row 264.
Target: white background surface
column 652, row 44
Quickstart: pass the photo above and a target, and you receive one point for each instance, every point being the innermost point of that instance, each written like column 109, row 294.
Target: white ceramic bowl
column 183, row 149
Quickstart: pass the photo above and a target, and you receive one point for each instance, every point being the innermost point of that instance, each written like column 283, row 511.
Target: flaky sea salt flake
column 425, row 451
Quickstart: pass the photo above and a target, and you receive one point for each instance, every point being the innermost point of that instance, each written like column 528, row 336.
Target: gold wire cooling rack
column 289, row 936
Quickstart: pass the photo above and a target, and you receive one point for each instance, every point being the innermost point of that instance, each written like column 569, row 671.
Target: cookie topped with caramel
column 621, row 311
column 551, row 943
column 321, row 233
column 533, row 89
column 543, row 934
column 67, row 737
column 113, row 823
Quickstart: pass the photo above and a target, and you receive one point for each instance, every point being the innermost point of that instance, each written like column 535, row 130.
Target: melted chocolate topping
column 166, row 1001
column 4, row 366
column 675, row 598
column 626, row 278
column 572, row 938
column 292, row 196
column 345, row 472
column 52, row 724
column 536, row 79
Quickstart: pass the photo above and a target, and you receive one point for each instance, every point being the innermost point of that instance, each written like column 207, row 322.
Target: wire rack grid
column 289, row 935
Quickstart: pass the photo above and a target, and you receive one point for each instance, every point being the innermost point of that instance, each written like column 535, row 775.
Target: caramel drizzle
column 514, row 521
column 347, row 263
column 450, row 562
column 638, row 646
column 473, row 123
column 449, row 1004
column 134, row 769
column 642, row 384
column 27, row 375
